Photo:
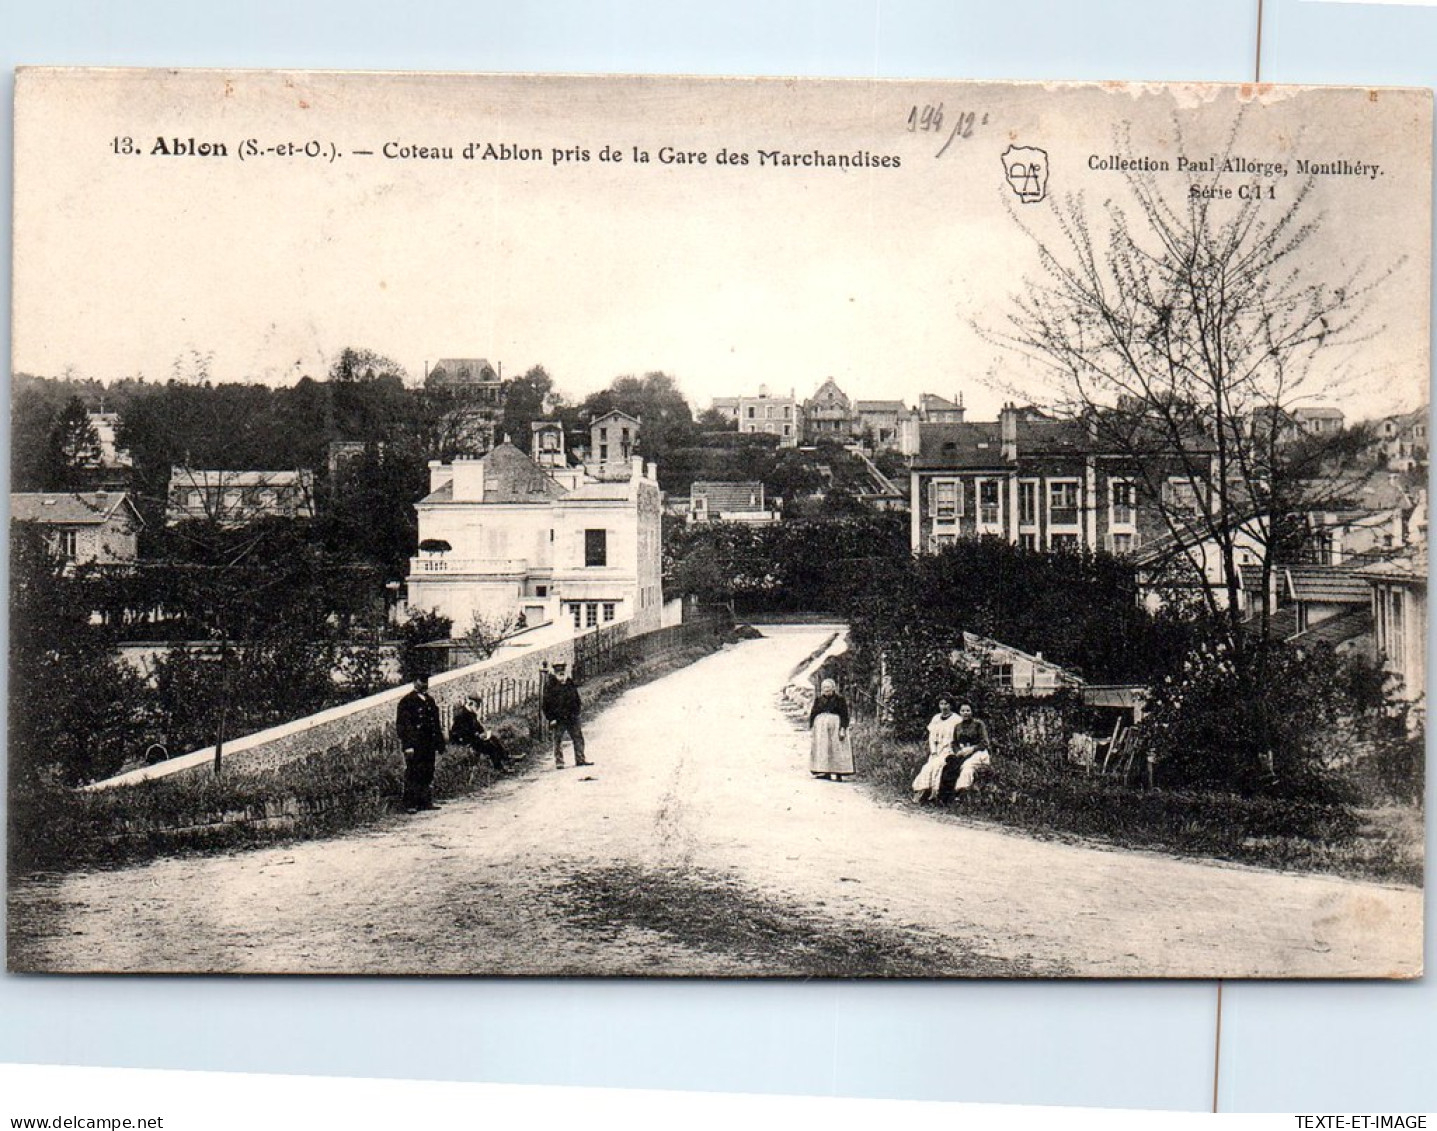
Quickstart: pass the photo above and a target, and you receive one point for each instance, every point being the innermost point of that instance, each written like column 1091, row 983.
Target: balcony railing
column 441, row 564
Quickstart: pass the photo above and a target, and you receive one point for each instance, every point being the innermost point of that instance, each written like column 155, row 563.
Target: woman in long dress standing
column 830, row 754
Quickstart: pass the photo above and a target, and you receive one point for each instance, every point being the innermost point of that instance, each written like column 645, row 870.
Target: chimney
column 440, row 473
column 1008, row 427
column 469, row 480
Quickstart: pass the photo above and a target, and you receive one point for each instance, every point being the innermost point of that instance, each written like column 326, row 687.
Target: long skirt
column 829, row 754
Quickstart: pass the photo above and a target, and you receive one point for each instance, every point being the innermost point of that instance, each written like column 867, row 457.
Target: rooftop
column 462, row 371
column 1328, row 585
column 61, row 509
column 510, row 476
column 727, row 498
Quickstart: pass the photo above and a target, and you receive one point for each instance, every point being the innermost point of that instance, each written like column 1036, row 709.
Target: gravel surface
column 698, row 844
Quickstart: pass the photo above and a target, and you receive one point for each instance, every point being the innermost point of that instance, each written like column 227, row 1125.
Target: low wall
column 506, row 679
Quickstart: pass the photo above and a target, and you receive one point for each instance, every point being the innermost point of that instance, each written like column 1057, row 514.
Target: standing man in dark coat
column 421, row 735
column 561, row 707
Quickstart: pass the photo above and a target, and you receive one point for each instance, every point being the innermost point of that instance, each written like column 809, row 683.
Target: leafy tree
column 1205, row 731
column 76, row 712
column 717, row 420
column 424, row 626
column 524, row 402
column 74, row 448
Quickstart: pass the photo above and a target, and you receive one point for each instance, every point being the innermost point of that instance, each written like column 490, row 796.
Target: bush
column 1275, row 719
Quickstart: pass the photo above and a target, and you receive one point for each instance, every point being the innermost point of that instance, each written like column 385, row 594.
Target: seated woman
column 830, row 755
column 940, row 746
column 970, row 754
column 468, row 731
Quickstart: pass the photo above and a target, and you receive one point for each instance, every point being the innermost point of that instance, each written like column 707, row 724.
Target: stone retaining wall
column 504, row 680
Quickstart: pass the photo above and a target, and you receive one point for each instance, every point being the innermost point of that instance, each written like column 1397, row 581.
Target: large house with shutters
column 1045, row 484
column 502, row 536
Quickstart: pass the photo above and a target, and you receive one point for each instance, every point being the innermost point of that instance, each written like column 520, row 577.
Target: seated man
column 467, row 730
column 970, row 754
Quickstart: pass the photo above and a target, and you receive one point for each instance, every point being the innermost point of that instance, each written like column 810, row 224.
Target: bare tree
column 1185, row 332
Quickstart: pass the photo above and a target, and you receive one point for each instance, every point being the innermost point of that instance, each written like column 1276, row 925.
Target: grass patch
column 1049, row 798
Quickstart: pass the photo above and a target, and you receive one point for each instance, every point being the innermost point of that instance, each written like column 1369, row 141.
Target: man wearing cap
column 421, row 735
column 561, row 707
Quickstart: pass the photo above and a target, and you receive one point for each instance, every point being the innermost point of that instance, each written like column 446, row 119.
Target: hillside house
column 829, row 414
column 234, row 498
column 476, row 393
column 776, row 416
column 878, row 422
column 1047, row 485
column 613, row 443
column 729, row 502
column 82, row 528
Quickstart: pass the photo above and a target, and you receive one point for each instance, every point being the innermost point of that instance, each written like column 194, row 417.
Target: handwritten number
column 925, row 120
column 962, row 128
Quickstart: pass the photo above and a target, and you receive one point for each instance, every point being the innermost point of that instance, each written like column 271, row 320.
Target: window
column 1181, row 496
column 577, row 609
column 603, row 453
column 1124, row 503
column 787, row 412
column 541, row 590
column 610, row 608
column 591, row 614
column 990, row 503
column 596, row 547
column 1065, row 541
column 66, row 543
column 1029, row 541
column 603, row 433
column 750, row 412
column 946, row 502
column 1000, row 674
column 1027, row 502
column 787, row 429
column 1122, row 543
column 1062, row 502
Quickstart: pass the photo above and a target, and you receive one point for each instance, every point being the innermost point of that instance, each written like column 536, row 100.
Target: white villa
column 501, row 536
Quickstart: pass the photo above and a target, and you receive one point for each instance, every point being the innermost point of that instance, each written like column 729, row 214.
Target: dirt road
column 699, row 845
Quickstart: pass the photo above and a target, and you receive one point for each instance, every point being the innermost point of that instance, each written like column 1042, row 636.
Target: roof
column 1282, row 623
column 932, row 402
column 880, row 406
column 196, row 477
column 615, row 412
column 1251, row 577
column 510, row 476
column 1331, row 585
column 980, row 443
column 1411, row 565
column 1346, row 625
column 724, row 402
column 81, row 508
column 727, row 498
column 461, row 371
column 1318, row 412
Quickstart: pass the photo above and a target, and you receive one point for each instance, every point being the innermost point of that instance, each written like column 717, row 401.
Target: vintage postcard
column 532, row 525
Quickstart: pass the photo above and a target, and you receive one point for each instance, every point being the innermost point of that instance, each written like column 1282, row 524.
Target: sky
column 726, row 275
